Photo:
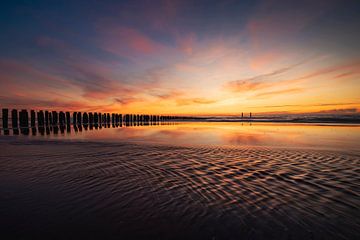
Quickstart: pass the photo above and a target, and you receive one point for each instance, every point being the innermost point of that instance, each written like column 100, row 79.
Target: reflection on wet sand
column 205, row 133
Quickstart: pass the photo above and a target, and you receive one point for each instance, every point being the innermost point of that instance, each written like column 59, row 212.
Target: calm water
column 182, row 181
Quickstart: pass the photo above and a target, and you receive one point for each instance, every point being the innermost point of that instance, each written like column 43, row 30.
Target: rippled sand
column 73, row 190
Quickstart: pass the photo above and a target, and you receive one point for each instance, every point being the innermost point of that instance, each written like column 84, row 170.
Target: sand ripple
column 142, row 191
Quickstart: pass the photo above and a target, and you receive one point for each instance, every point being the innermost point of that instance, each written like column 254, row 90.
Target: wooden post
column 108, row 118
column 91, row 118
column 100, row 118
column 32, row 114
column 85, row 118
column 55, row 118
column 96, row 118
column 74, row 118
column 68, row 118
column 62, row 118
column 47, row 118
column 50, row 119
column 103, row 120
column 14, row 118
column 24, row 119
column 5, row 118
column 79, row 118
column 113, row 118
column 40, row 118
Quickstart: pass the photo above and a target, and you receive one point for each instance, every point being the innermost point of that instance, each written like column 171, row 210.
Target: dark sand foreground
column 94, row 190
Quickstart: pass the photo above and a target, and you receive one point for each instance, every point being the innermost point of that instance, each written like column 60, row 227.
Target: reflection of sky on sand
column 232, row 134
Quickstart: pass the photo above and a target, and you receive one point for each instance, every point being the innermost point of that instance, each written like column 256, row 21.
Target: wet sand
column 80, row 189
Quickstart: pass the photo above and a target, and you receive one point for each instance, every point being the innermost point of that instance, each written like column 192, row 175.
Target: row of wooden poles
column 54, row 118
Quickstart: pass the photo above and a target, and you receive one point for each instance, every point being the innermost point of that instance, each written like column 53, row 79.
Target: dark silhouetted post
column 40, row 118
column 108, row 118
column 55, row 118
column 250, row 114
column 113, row 118
column 5, row 118
column 47, row 118
column 14, row 118
column 74, row 118
column 24, row 119
column 91, row 118
column 242, row 115
column 32, row 114
column 85, row 118
column 79, row 118
column 96, row 118
column 103, row 120
column 68, row 118
column 62, row 118
column 50, row 119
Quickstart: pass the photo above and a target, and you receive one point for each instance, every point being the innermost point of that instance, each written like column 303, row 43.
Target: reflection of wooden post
column 32, row 114
column 5, row 117
column 24, row 119
column 14, row 118
column 68, row 119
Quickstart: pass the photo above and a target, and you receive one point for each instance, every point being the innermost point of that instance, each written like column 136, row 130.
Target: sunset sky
column 181, row 57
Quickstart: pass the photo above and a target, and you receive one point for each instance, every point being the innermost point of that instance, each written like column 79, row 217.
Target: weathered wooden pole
column 91, row 118
column 108, row 118
column 24, row 119
column 103, row 120
column 47, row 118
column 74, row 118
column 116, row 118
column 100, row 118
column 62, row 118
column 40, row 118
column 5, row 118
column 32, row 115
column 14, row 118
column 55, row 118
column 78, row 118
column 85, row 118
column 113, row 118
column 68, row 118
column 50, row 119
column 96, row 118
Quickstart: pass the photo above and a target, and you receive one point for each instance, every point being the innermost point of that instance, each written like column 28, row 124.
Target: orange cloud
column 189, row 101
column 278, row 92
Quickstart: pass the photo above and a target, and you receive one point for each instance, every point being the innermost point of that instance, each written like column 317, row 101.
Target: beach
column 165, row 183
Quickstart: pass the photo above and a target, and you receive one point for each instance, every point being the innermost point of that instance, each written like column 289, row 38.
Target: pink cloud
column 126, row 41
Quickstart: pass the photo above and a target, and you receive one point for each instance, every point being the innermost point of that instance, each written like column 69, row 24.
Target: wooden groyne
column 45, row 118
